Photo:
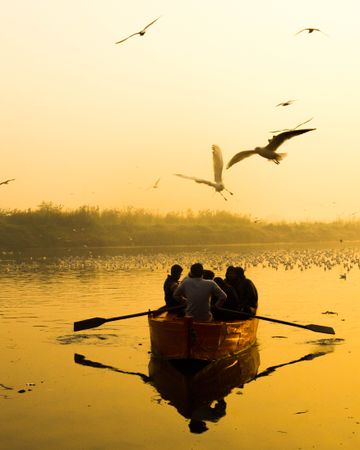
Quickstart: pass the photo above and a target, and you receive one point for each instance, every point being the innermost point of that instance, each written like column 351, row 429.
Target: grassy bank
column 51, row 226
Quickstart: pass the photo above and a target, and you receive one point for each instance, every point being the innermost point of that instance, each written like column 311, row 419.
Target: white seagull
column 269, row 151
column 140, row 33
column 217, row 184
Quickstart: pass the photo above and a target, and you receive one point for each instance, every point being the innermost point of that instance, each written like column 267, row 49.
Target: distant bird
column 218, row 164
column 310, row 30
column 290, row 129
column 155, row 185
column 287, row 103
column 269, row 151
column 140, row 33
column 7, row 181
column 343, row 276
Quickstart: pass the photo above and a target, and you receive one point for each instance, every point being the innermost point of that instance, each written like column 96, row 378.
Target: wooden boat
column 197, row 389
column 175, row 337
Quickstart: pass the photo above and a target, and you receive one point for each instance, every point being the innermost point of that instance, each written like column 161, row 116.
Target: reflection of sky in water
column 104, row 407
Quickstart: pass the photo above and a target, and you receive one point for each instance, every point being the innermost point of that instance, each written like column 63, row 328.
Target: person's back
column 246, row 291
column 170, row 285
column 198, row 293
column 232, row 302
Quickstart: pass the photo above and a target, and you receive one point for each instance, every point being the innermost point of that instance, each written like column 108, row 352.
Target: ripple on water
column 86, row 338
column 327, row 341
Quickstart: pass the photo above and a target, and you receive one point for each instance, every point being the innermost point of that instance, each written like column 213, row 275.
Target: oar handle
column 146, row 313
column 98, row 321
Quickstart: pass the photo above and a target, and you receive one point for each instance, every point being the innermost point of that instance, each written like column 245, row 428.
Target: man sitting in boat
column 198, row 293
column 232, row 301
column 241, row 294
column 170, row 285
column 246, row 292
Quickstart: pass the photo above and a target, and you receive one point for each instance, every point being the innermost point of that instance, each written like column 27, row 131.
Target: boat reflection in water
column 197, row 389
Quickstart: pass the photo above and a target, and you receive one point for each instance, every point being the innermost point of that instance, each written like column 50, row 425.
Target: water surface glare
column 99, row 389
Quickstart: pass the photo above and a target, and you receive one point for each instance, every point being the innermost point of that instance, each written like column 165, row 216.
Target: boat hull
column 175, row 337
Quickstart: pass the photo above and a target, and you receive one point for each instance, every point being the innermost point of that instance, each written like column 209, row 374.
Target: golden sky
column 88, row 122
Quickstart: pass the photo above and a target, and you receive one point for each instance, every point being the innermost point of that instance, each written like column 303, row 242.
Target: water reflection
column 198, row 389
column 81, row 359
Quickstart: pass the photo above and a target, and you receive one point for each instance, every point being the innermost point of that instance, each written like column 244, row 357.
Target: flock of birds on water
column 269, row 151
column 340, row 259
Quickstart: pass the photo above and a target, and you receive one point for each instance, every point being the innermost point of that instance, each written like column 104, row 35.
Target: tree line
column 52, row 226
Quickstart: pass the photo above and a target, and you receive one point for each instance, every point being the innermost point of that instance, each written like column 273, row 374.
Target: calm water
column 92, row 390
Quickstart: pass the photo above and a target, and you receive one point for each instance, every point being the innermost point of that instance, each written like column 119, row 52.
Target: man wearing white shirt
column 198, row 293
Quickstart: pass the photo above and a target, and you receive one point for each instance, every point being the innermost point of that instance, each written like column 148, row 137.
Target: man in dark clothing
column 241, row 293
column 170, row 284
column 246, row 291
column 232, row 301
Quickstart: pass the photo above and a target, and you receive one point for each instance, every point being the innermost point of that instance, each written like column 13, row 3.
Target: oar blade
column 320, row 329
column 89, row 323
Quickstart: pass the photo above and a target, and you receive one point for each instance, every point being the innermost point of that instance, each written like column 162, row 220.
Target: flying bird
column 155, row 185
column 287, row 103
column 7, row 181
column 269, row 151
column 291, row 129
column 140, row 33
column 218, row 164
column 310, row 30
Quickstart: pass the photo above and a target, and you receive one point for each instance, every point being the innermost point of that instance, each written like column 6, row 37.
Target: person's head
column 196, row 270
column 197, row 426
column 230, row 273
column 176, row 271
column 208, row 274
column 239, row 271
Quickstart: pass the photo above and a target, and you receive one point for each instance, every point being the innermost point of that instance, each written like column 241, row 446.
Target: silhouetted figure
column 170, row 285
column 198, row 293
column 232, row 301
column 246, row 291
column 208, row 274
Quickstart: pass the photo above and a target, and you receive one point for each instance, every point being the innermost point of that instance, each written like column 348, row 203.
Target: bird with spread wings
column 140, row 33
column 269, row 151
column 310, row 30
column 218, row 165
column 7, row 181
column 286, row 103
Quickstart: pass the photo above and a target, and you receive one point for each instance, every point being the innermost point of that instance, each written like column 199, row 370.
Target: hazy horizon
column 88, row 122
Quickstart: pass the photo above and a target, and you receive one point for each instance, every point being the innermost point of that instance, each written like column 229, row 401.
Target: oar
column 97, row 321
column 311, row 327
